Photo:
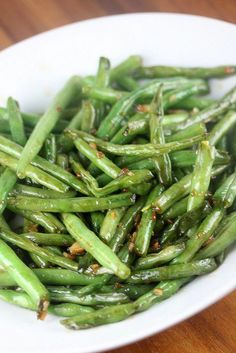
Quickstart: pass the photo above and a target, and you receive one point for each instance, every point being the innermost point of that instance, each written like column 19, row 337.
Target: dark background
column 213, row 330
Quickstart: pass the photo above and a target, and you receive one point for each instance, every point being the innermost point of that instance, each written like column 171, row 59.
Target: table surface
column 214, row 329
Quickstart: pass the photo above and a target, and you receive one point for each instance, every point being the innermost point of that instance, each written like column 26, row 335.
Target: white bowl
column 33, row 70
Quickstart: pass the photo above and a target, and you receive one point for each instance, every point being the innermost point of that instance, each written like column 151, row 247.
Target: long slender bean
column 16, row 122
column 27, row 244
column 160, row 258
column 147, row 150
column 15, row 151
column 175, row 271
column 7, row 181
column 91, row 243
column 203, row 233
column 226, row 193
column 50, row 148
column 25, row 278
column 54, row 276
column 126, row 225
column 213, row 110
column 201, row 175
column 34, row 173
column 192, row 72
column 47, row 123
column 110, row 223
column 79, row 204
column 49, row 238
column 163, row 162
column 222, row 241
column 111, row 124
column 26, row 190
column 147, row 224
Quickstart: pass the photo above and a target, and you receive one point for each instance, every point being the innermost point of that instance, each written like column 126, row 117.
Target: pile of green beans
column 119, row 194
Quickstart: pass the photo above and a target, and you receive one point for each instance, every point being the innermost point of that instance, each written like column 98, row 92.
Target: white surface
column 32, row 71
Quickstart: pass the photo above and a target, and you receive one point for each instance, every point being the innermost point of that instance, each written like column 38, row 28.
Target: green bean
column 4, row 126
column 26, row 190
column 120, row 312
column 201, row 175
column 147, row 224
column 25, row 278
column 162, row 163
column 34, row 173
column 17, row 298
column 203, row 233
column 63, row 161
column 50, row 148
column 176, row 210
column 191, row 72
column 16, row 122
column 125, row 255
column 46, row 220
column 127, row 83
column 147, row 150
column 226, row 193
column 127, row 179
column 88, row 120
column 126, row 225
column 54, row 276
column 103, row 74
column 98, row 158
column 112, row 122
column 103, row 179
column 213, row 110
column 188, row 132
column 173, row 194
column 190, row 218
column 96, row 220
column 222, row 144
column 222, row 241
column 160, row 258
column 71, row 296
column 102, row 316
column 179, row 159
column 76, row 122
column 177, row 95
column 54, row 239
column 27, row 244
column 179, row 270
column 7, row 181
column 15, row 151
column 92, row 244
column 38, row 261
column 77, row 204
column 47, row 123
column 110, row 223
column 31, row 120
column 222, row 127
column 170, row 233
column 138, row 124
column 104, row 94
column 133, row 180
column 177, row 191
column 126, row 67
column 190, row 103
column 82, row 173
column 24, row 301
column 131, row 290
column 162, row 291
column 69, row 309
